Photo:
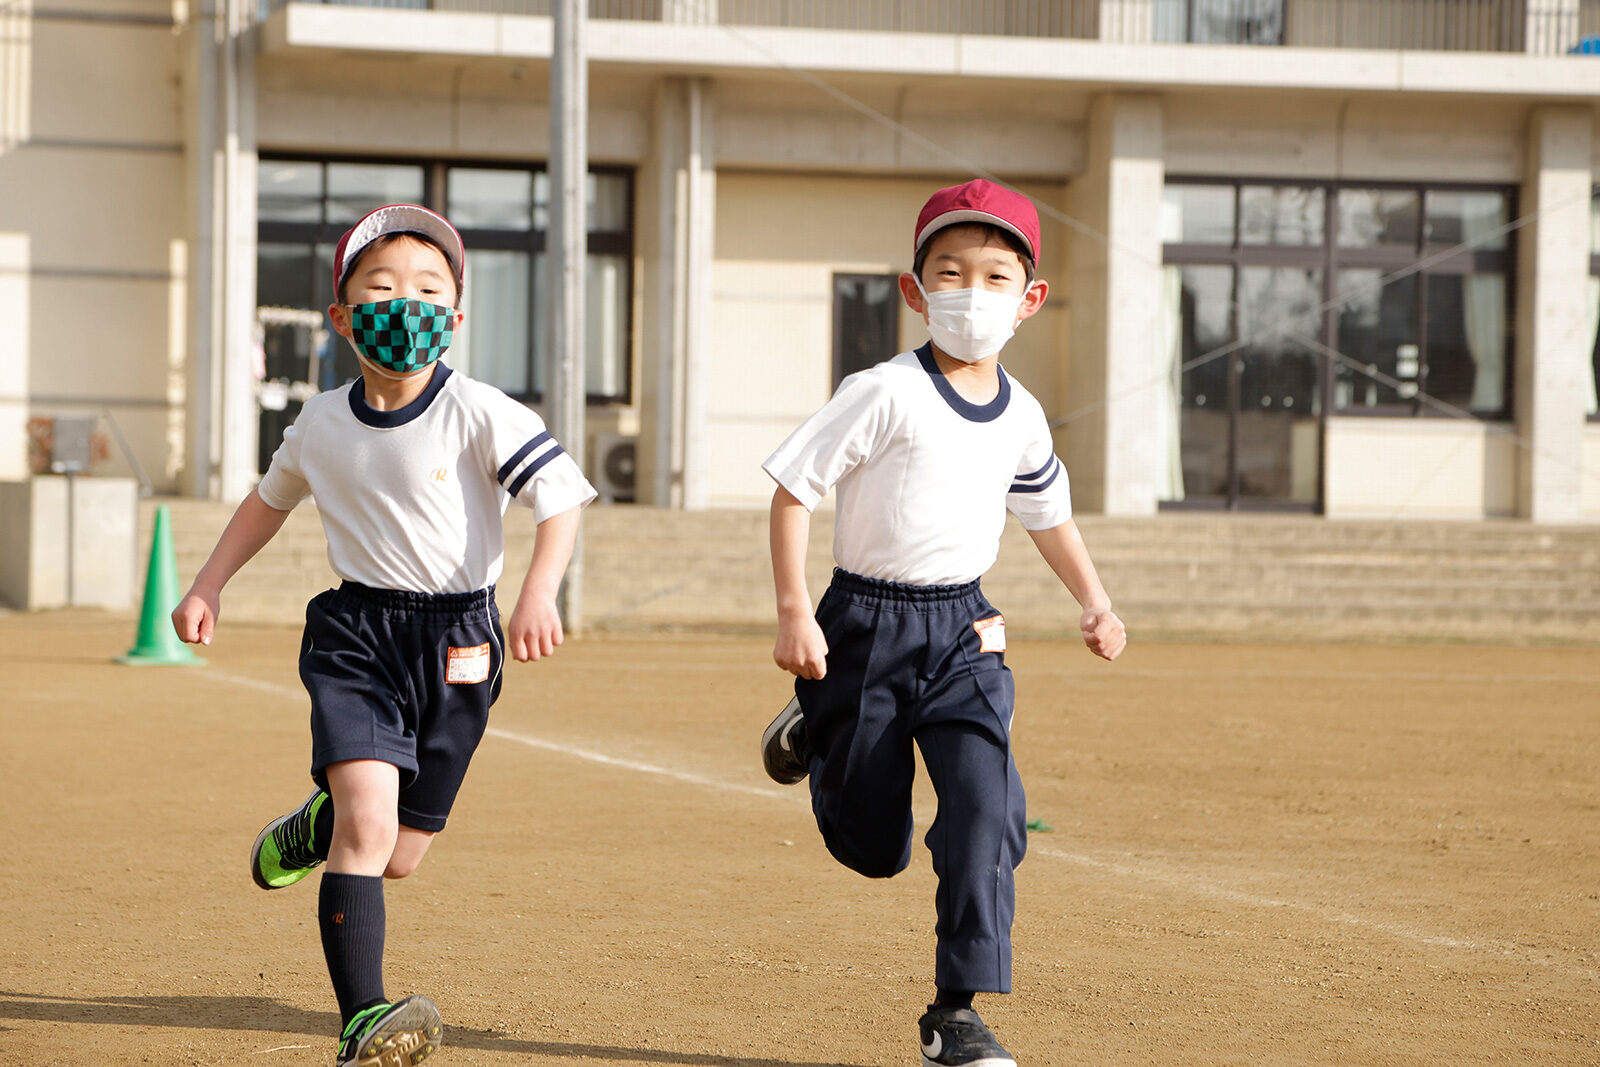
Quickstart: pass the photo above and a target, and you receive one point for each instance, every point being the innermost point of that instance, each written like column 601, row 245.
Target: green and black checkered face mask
column 401, row 335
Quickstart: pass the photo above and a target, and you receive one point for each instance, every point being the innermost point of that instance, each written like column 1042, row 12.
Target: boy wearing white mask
column 928, row 451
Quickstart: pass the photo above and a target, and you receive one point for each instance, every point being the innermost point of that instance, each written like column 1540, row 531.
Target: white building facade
column 1304, row 255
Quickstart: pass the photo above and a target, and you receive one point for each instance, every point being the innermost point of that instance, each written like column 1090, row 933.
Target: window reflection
column 490, row 199
column 1281, row 215
column 354, row 189
column 289, row 192
column 1369, row 218
column 1197, row 214
column 1377, row 330
column 495, row 333
column 1470, row 218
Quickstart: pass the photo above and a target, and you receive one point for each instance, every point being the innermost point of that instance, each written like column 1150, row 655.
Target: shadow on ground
column 273, row 1016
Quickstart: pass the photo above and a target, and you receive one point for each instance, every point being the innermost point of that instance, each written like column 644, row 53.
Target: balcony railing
column 1012, row 18
column 1426, row 25
column 1423, row 25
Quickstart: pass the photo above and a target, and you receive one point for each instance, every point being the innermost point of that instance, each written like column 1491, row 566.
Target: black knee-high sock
column 953, row 998
column 350, row 912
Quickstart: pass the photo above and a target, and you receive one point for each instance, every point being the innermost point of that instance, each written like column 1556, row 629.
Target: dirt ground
column 1281, row 855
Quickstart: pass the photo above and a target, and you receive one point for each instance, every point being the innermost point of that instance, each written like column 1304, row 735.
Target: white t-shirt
column 414, row 499
column 924, row 477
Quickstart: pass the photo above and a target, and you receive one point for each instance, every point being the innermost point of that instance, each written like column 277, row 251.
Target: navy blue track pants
column 905, row 665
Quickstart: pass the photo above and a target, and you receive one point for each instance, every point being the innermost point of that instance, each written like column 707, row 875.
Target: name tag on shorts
column 467, row 666
column 991, row 634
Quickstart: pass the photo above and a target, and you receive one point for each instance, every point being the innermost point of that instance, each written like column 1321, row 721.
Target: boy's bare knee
column 401, row 868
column 366, row 833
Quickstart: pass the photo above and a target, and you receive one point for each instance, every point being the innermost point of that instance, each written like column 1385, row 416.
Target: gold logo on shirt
column 440, row 474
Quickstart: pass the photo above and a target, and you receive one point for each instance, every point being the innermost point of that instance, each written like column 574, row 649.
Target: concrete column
column 1113, row 384
column 220, row 146
column 1127, row 21
column 1552, row 337
column 201, row 104
column 1550, row 27
column 677, row 209
column 240, row 430
column 16, row 75
column 15, row 354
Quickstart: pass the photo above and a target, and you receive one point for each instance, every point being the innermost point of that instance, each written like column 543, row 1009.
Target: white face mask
column 970, row 324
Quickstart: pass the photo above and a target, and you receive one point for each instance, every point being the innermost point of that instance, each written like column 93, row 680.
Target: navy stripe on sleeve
column 533, row 468
column 522, row 453
column 1038, row 473
column 1038, row 487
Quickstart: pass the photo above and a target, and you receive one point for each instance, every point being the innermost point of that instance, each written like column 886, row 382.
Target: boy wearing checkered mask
column 411, row 466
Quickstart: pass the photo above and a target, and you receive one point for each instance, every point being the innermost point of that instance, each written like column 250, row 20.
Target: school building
column 1337, row 256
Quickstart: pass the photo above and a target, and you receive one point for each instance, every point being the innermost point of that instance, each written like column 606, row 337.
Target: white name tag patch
column 991, row 634
column 467, row 666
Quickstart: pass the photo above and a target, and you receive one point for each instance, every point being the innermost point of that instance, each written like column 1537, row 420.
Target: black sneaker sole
column 409, row 1034
column 255, row 849
column 781, row 764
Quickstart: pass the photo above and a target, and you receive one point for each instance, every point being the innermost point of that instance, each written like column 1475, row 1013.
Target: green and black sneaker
column 283, row 853
column 392, row 1035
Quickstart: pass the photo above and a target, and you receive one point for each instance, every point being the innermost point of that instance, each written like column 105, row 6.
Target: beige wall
column 1327, row 135
column 779, row 240
column 470, row 108
column 15, row 332
column 1590, row 457
column 93, row 199
column 1419, row 468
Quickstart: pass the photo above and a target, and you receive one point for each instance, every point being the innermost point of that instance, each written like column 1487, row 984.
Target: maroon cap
column 980, row 201
column 398, row 218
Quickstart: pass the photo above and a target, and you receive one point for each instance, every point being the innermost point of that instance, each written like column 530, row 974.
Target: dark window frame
column 1594, row 269
column 839, row 369
column 1330, row 258
column 435, row 192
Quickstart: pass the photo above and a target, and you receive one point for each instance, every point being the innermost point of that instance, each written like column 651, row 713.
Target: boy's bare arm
column 800, row 649
column 252, row 526
column 535, row 629
column 1062, row 547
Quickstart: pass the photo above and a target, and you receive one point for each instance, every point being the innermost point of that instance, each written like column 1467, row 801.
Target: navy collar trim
column 388, row 420
column 963, row 407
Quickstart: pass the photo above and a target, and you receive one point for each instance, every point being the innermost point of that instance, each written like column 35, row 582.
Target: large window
column 503, row 215
column 1416, row 281
column 1289, row 300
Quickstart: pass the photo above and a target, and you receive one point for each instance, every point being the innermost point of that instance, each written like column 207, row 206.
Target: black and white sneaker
column 783, row 746
column 956, row 1037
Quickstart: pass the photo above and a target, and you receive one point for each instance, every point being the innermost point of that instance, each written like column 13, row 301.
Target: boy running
column 928, row 451
column 411, row 466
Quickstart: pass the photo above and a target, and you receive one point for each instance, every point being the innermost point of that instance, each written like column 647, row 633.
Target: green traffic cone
column 157, row 643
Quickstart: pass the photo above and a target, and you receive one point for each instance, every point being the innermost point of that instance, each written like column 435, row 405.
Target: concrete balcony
column 481, row 29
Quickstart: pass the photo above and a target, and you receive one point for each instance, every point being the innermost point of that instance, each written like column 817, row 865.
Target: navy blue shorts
column 405, row 678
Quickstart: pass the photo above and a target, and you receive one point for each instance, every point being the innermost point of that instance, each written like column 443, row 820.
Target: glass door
column 1276, row 420
column 1249, row 386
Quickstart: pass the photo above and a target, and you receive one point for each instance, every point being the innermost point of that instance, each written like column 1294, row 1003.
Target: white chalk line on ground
column 1291, row 674
column 643, row 768
column 1177, row 880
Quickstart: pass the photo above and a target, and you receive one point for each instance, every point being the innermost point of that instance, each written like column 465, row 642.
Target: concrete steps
column 1225, row 577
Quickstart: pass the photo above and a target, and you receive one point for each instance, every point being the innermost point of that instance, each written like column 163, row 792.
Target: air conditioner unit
column 614, row 459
